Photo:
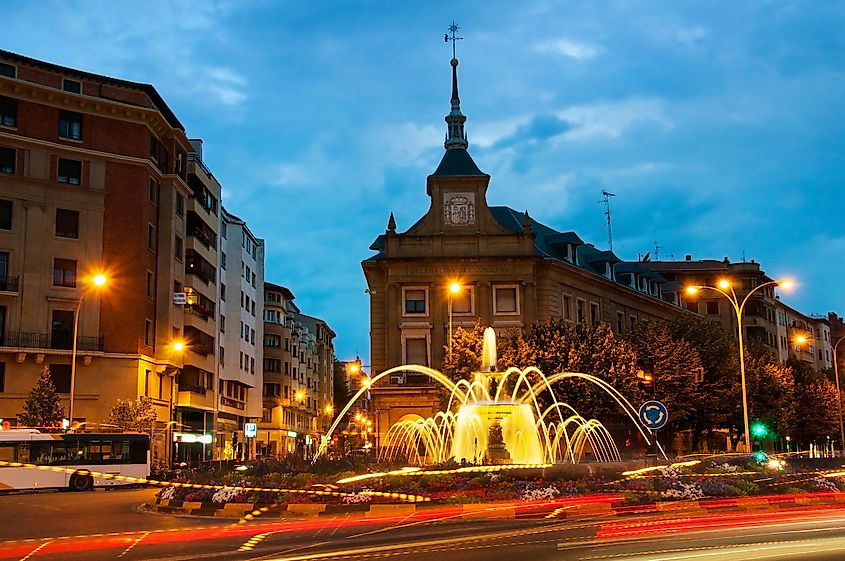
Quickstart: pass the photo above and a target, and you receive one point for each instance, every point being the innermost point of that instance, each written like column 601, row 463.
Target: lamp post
column 454, row 288
column 98, row 280
column 839, row 398
column 726, row 289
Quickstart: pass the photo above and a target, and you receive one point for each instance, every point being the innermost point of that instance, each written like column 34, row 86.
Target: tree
column 340, row 391
column 465, row 357
column 771, row 390
column 816, row 412
column 42, row 407
column 137, row 415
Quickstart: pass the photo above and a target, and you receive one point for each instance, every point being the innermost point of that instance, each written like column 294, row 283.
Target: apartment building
column 195, row 402
column 806, row 337
column 298, row 377
column 241, row 351
column 93, row 171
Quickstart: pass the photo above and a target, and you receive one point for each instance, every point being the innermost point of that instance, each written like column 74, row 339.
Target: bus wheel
column 81, row 482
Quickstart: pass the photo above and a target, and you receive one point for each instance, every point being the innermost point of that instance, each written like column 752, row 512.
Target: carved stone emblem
column 459, row 208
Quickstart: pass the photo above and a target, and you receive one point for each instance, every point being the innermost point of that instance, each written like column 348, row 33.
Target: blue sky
column 719, row 126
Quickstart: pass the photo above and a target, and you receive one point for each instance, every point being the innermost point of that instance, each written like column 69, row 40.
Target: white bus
column 76, row 461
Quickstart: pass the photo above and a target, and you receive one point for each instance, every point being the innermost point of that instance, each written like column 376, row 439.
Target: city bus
column 75, row 461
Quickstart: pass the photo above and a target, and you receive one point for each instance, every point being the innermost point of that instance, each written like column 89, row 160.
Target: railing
column 193, row 388
column 45, row 341
column 9, row 283
column 228, row 402
column 199, row 310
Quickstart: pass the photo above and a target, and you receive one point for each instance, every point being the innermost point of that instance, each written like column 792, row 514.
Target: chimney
column 688, row 257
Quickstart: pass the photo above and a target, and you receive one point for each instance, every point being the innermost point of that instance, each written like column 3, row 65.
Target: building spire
column 455, row 137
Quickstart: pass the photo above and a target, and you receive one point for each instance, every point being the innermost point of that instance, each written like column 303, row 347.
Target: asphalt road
column 103, row 525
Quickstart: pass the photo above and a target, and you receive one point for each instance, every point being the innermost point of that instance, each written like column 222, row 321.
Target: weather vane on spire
column 453, row 38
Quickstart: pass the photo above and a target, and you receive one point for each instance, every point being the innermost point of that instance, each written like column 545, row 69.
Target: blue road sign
column 653, row 414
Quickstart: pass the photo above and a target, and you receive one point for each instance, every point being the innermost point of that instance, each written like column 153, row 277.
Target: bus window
column 7, row 452
column 120, row 451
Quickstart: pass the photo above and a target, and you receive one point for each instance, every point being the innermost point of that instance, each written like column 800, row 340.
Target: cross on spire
column 453, row 29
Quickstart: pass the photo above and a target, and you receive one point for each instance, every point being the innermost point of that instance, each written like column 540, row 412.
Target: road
column 103, row 525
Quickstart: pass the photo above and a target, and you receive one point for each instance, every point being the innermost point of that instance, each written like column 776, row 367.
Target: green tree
column 771, row 390
column 341, row 393
column 42, row 407
column 138, row 415
column 816, row 412
column 465, row 357
column 675, row 363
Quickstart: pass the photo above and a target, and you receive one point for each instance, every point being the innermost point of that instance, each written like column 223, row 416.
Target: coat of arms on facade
column 459, row 208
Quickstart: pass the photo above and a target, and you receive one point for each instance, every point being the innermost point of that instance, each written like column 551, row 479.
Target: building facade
column 512, row 271
column 241, row 349
column 92, row 170
column 195, row 403
column 298, row 370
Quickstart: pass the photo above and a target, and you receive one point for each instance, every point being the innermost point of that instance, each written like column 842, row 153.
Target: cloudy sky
column 718, row 125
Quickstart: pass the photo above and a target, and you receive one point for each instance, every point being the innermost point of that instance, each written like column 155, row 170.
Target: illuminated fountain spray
column 485, row 422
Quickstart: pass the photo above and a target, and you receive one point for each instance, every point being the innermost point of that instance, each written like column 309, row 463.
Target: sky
column 718, row 126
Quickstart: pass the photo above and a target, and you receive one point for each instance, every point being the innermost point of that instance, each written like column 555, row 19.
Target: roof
column 279, row 288
column 457, row 162
column 148, row 89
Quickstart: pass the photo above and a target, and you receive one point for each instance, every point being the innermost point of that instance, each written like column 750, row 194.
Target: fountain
column 485, row 422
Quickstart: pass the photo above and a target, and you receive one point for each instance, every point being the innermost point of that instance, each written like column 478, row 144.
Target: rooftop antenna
column 657, row 247
column 606, row 200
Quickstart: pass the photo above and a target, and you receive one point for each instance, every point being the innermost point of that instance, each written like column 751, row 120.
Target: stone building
column 93, row 179
column 513, row 271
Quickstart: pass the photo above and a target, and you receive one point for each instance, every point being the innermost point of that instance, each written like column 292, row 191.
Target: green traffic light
column 759, row 429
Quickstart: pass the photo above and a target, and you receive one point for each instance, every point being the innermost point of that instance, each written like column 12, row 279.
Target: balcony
column 198, row 341
column 29, row 340
column 197, row 266
column 201, row 231
column 9, row 283
column 198, row 304
column 229, row 402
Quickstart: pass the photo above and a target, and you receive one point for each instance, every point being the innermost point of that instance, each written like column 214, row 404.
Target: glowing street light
column 329, row 409
column 178, row 346
column 725, row 288
column 454, row 288
column 99, row 280
column 299, row 396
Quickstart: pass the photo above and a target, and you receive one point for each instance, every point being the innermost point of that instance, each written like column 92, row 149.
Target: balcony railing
column 193, row 388
column 229, row 402
column 24, row 339
column 9, row 283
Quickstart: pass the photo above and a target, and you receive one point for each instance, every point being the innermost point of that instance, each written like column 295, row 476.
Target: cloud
column 225, row 85
column 569, row 48
column 611, row 119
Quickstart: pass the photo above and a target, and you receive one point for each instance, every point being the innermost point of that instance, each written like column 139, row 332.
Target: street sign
column 250, row 430
column 653, row 414
column 180, row 298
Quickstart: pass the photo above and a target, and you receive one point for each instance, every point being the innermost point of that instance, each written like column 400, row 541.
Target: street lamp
column 839, row 397
column 98, row 280
column 454, row 288
column 725, row 288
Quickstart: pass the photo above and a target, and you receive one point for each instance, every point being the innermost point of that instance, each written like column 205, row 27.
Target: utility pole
column 606, row 200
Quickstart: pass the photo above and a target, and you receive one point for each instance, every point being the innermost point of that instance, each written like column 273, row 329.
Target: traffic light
column 759, row 430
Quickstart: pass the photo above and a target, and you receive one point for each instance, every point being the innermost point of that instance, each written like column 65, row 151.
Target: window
column 620, row 323
column 713, row 308
column 416, row 351
column 177, row 248
column 60, row 375
column 222, row 291
column 253, row 308
column 222, row 323
column 64, row 272
column 595, row 313
column 7, row 160
column 581, row 310
column 69, row 171
column 151, row 237
column 222, row 355
column 253, row 280
column 567, row 307
column 180, row 205
column 61, row 329
column 153, row 191
column 415, row 300
column 8, row 111
column 462, row 301
column 70, row 125
column 252, row 336
column 2, row 377
column 148, row 333
column 505, row 300
column 7, row 70
column 223, row 260
column 71, row 86
column 252, row 365
column 151, row 284
column 692, row 305
column 5, row 215
column 67, row 223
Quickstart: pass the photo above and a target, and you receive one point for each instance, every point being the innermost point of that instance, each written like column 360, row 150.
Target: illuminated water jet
column 485, row 423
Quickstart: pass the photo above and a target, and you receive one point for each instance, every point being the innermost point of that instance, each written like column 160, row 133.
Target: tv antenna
column 606, row 200
column 657, row 247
